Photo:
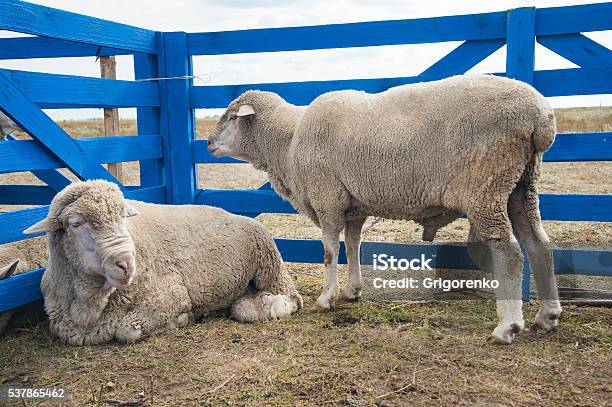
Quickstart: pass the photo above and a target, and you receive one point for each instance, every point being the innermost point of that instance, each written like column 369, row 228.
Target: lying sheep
column 430, row 152
column 114, row 275
column 16, row 258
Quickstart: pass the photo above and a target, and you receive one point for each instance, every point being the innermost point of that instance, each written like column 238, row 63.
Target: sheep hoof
column 350, row 293
column 282, row 307
column 545, row 321
column 324, row 302
column 504, row 334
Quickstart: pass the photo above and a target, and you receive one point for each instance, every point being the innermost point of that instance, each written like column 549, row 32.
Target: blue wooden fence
column 165, row 144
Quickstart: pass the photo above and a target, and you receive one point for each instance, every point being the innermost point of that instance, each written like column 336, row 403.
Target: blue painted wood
column 554, row 82
column 577, row 207
column 463, row 58
column 574, row 19
column 42, row 195
column 26, row 155
column 41, row 47
column 148, row 121
column 66, row 91
column 591, row 208
column 25, row 288
column 178, row 118
column 393, row 32
column 30, row 118
column 20, row 289
column 54, row 178
column 580, row 147
column 571, row 82
column 13, row 223
column 450, row 256
column 29, row 18
column 520, row 44
column 567, row 147
column 578, row 49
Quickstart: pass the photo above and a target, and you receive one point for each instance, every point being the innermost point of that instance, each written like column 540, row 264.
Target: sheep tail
column 545, row 130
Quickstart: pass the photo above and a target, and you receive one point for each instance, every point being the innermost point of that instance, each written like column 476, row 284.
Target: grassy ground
column 369, row 353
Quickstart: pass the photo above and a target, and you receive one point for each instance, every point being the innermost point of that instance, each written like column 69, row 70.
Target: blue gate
column 166, row 146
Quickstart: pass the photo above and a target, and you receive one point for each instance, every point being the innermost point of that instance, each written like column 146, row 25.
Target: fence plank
column 54, row 178
column 578, row 49
column 30, row 118
column 42, row 47
column 26, row 155
column 67, row 91
column 573, row 82
column 574, row 19
column 580, row 147
column 42, row 195
column 29, row 18
column 178, row 117
column 576, row 207
column 554, row 82
column 13, row 223
column 463, row 58
column 366, row 34
column 24, row 288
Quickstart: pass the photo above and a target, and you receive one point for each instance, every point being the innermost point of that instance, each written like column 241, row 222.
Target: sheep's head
column 228, row 138
column 89, row 220
column 245, row 120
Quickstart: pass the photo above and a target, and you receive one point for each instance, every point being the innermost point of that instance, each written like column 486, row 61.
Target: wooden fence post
column 108, row 70
column 520, row 60
column 177, row 117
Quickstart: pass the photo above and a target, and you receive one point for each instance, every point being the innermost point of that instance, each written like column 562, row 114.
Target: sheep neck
column 279, row 135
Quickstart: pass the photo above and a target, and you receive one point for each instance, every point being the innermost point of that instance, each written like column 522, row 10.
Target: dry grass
column 366, row 353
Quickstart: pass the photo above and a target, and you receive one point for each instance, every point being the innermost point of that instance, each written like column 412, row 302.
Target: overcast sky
column 370, row 62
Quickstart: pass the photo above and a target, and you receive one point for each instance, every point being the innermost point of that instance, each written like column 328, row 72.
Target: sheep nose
column 123, row 265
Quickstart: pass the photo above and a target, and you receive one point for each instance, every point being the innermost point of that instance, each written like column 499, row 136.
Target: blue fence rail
column 166, row 146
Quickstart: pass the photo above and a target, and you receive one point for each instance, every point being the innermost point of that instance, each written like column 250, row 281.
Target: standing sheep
column 16, row 258
column 427, row 152
column 126, row 269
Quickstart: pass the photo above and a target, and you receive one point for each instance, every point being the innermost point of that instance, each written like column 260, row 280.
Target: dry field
column 373, row 352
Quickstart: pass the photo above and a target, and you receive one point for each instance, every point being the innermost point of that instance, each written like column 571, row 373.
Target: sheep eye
column 74, row 224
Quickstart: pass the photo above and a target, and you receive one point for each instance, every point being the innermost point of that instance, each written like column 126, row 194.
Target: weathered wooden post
column 108, row 70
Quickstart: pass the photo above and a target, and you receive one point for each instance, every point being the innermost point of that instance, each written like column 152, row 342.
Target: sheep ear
column 45, row 225
column 6, row 272
column 245, row 110
column 131, row 211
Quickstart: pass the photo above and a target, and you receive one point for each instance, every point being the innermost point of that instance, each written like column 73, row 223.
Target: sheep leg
column 495, row 249
column 352, row 239
column 525, row 216
column 331, row 246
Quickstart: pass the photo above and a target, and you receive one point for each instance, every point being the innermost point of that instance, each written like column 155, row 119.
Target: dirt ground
column 373, row 352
